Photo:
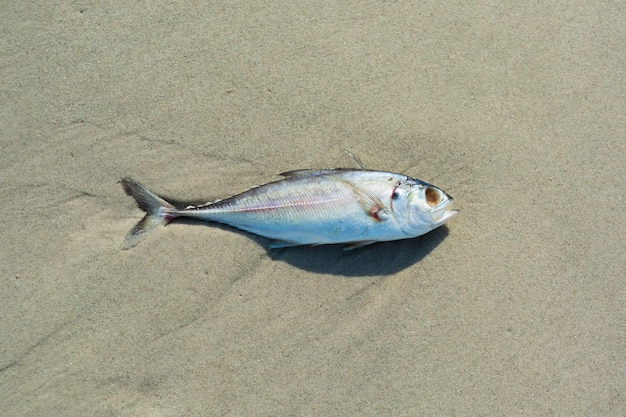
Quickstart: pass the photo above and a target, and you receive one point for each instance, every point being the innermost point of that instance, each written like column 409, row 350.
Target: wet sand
column 517, row 307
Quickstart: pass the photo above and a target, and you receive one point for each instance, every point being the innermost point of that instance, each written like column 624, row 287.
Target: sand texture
column 516, row 308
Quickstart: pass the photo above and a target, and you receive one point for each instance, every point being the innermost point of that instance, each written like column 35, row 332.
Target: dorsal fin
column 300, row 172
column 313, row 172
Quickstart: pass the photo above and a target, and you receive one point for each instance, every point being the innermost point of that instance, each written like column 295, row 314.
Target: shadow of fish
column 356, row 207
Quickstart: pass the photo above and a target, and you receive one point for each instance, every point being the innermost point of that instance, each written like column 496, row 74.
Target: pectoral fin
column 371, row 204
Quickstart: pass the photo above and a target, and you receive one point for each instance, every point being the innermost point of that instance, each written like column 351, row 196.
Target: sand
column 517, row 307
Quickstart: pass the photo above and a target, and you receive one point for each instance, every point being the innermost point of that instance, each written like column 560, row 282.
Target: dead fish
column 313, row 207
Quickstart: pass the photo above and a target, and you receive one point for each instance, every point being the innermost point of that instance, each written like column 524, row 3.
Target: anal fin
column 356, row 245
column 278, row 244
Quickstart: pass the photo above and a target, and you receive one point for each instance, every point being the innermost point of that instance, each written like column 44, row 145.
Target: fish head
column 426, row 208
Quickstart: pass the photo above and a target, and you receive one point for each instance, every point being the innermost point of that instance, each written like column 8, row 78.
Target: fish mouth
column 447, row 215
column 441, row 215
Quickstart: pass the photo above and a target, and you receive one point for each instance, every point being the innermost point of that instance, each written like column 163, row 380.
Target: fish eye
column 432, row 196
column 395, row 195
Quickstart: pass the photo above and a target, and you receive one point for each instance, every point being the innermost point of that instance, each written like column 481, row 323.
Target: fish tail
column 158, row 211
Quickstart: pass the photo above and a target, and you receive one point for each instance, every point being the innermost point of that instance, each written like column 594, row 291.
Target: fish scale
column 311, row 207
column 278, row 208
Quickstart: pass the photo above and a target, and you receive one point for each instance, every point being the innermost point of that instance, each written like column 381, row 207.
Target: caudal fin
column 158, row 211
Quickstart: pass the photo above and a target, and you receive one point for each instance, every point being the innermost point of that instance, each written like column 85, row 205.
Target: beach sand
column 517, row 307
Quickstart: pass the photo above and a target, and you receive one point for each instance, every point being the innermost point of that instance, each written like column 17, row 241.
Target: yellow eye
column 432, row 196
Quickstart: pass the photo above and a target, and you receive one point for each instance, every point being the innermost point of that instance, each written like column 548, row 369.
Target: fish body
column 313, row 207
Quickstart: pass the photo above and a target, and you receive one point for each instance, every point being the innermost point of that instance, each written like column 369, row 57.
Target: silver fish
column 313, row 207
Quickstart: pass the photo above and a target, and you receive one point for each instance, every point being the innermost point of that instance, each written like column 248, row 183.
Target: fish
column 355, row 207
